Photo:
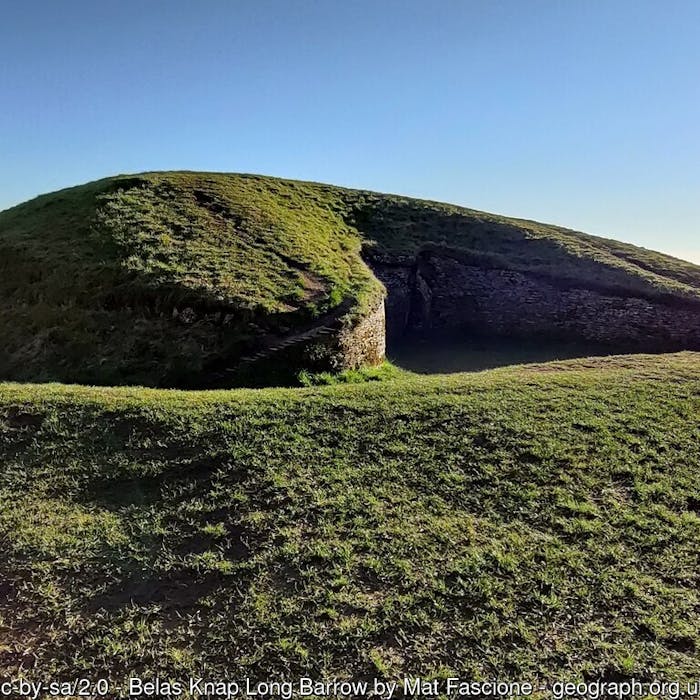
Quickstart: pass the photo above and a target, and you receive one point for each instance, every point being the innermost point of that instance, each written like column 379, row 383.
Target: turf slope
column 160, row 279
column 533, row 523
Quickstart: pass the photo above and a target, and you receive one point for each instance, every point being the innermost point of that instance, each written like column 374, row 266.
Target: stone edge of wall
column 358, row 342
column 353, row 342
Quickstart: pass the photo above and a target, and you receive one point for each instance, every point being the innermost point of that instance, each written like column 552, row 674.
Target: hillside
column 533, row 523
column 539, row 523
column 172, row 279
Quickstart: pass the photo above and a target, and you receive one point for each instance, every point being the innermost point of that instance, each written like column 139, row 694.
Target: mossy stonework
column 364, row 342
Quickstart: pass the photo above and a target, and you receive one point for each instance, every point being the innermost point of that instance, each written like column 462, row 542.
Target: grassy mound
column 531, row 523
column 155, row 278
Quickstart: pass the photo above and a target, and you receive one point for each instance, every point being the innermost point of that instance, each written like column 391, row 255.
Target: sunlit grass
column 526, row 522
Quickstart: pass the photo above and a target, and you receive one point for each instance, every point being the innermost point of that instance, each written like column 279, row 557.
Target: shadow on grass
column 445, row 352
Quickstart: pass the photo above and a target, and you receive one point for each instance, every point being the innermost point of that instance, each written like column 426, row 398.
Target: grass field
column 537, row 522
column 154, row 279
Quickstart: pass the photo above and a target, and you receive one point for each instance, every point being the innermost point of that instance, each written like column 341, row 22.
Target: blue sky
column 583, row 113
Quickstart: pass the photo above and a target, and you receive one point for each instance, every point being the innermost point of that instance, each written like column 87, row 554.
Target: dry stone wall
column 439, row 291
column 366, row 342
column 362, row 342
column 347, row 344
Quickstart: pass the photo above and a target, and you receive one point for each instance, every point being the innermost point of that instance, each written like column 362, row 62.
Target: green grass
column 534, row 523
column 382, row 372
column 156, row 278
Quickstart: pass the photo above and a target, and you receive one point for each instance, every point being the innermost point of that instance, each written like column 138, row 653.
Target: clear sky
column 584, row 113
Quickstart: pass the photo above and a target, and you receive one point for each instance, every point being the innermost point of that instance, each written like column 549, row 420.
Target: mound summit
column 187, row 279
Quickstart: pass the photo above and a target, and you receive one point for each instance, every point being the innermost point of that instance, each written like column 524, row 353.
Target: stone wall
column 362, row 342
column 349, row 343
column 438, row 291
column 398, row 281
